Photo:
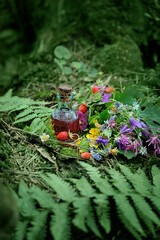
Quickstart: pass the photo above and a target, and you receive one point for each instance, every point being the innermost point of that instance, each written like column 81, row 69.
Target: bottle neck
column 64, row 103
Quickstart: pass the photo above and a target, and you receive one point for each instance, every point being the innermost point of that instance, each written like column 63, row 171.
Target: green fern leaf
column 84, row 187
column 138, row 181
column 60, row 227
column 143, row 206
column 125, row 210
column 26, row 118
column 38, row 229
column 156, row 181
column 43, row 197
column 24, row 113
column 23, row 189
column 81, row 206
column 62, row 188
column 91, row 223
column 155, row 201
column 38, row 127
column 120, row 182
column 34, row 124
column 130, row 228
column 20, row 230
column 25, row 203
column 103, row 212
column 102, row 184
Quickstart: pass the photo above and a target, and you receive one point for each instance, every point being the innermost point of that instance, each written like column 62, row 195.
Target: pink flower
column 156, row 142
column 82, row 119
column 106, row 98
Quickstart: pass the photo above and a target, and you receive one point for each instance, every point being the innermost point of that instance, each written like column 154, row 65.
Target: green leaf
column 151, row 115
column 84, row 145
column 67, row 70
column 104, row 115
column 107, row 132
column 77, row 64
column 60, row 62
column 128, row 155
column 92, row 73
column 62, row 52
column 129, row 95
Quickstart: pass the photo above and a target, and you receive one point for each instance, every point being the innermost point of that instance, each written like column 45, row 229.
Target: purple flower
column 102, row 89
column 82, row 119
column 105, row 141
column 125, row 129
column 135, row 123
column 106, row 98
column 112, row 124
column 113, row 118
column 156, row 141
column 123, row 142
column 103, row 127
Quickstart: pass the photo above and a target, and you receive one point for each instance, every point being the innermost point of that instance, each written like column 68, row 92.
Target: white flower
column 140, row 134
column 106, row 122
column 143, row 150
column 116, row 139
column 44, row 137
column 131, row 114
column 135, row 106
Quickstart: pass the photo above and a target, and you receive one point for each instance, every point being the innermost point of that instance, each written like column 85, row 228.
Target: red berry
column 95, row 89
column 86, row 155
column 82, row 108
column 63, row 136
column 109, row 89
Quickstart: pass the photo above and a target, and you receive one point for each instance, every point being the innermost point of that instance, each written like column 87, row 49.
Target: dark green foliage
column 86, row 205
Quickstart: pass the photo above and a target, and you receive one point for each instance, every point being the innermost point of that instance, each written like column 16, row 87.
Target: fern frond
column 60, row 227
column 101, row 183
column 20, row 230
column 34, row 124
column 25, row 203
column 156, row 180
column 84, row 187
column 81, row 206
column 119, row 181
column 91, row 223
column 155, row 201
column 142, row 205
column 130, row 228
column 103, row 214
column 38, row 229
column 43, row 197
column 26, row 118
column 137, row 180
column 64, row 190
column 24, row 113
column 38, row 126
column 127, row 212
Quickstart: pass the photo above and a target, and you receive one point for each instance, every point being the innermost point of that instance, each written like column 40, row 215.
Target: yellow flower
column 114, row 151
column 78, row 141
column 80, row 151
column 94, row 131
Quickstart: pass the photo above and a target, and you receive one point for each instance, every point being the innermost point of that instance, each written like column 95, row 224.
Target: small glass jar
column 64, row 118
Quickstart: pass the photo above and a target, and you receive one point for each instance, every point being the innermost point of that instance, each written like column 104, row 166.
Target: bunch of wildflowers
column 114, row 127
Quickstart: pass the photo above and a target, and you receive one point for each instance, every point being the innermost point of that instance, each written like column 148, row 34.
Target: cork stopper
column 65, row 90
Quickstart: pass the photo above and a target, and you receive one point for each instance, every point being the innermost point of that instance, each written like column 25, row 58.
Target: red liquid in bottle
column 61, row 125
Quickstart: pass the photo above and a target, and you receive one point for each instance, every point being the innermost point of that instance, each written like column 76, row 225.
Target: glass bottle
column 64, row 118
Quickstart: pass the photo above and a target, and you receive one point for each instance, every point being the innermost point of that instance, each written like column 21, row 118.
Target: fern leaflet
column 62, row 188
column 60, row 222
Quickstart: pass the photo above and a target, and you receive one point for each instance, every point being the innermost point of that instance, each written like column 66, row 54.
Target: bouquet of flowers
column 110, row 125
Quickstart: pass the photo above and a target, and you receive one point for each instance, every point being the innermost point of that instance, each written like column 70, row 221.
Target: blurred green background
column 112, row 36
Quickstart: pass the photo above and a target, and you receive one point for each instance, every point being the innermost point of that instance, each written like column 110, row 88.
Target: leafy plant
column 63, row 55
column 87, row 205
column 33, row 111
